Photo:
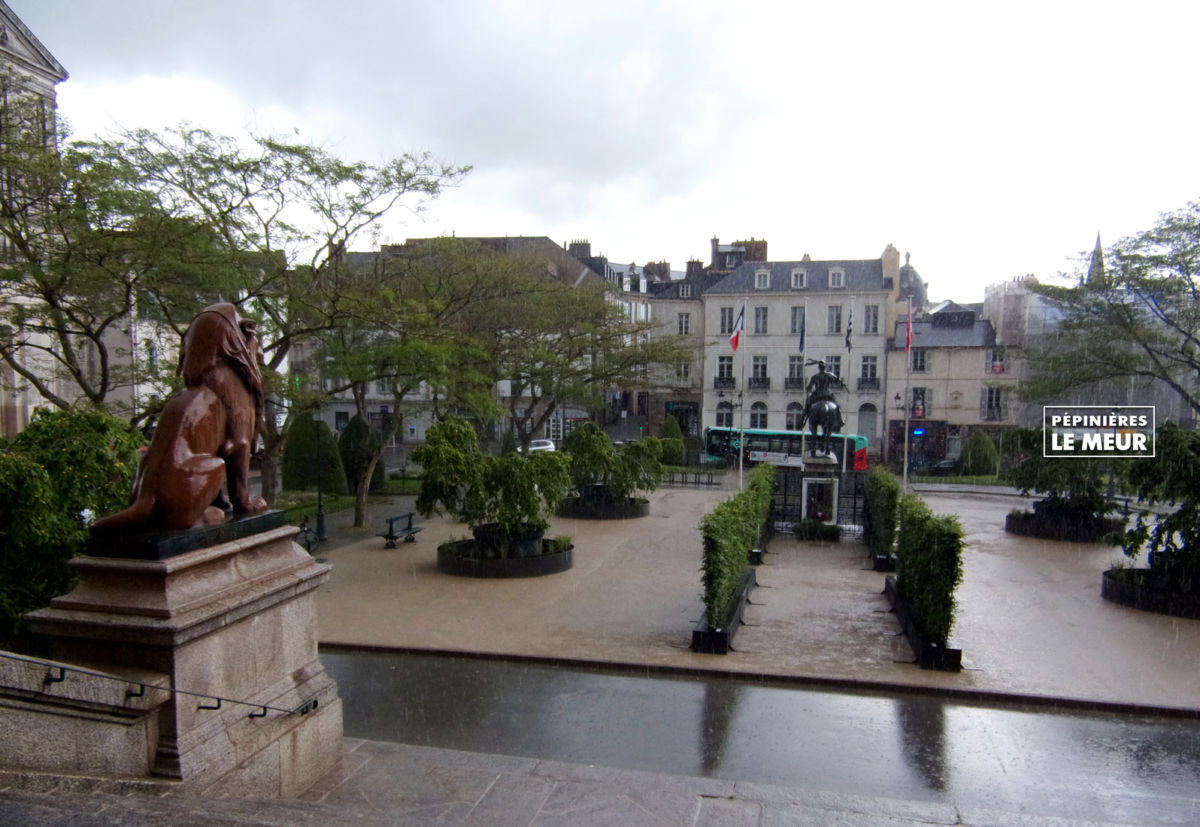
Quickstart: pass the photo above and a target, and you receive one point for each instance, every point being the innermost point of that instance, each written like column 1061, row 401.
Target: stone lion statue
column 206, row 432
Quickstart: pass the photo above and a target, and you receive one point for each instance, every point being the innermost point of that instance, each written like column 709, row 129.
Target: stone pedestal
column 235, row 621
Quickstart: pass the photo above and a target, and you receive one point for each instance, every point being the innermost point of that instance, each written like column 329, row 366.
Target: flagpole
column 742, row 402
column 907, row 379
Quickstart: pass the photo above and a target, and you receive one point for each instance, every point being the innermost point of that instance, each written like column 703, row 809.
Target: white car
column 540, row 445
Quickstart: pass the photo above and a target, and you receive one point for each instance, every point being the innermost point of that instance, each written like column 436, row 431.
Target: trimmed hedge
column 818, row 530
column 730, row 530
column 929, row 566
column 308, row 440
column 881, row 508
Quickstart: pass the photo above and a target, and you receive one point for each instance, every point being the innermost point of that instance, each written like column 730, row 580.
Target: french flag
column 736, row 338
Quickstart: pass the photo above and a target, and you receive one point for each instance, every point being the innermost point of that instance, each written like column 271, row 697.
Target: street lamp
column 900, row 403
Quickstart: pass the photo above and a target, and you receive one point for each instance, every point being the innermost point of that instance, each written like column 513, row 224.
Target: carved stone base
column 235, row 621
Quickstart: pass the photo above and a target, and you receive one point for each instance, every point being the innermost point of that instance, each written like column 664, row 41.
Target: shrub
column 310, row 441
column 881, row 508
column 64, row 463
column 730, row 530
column 818, row 530
column 929, row 566
column 979, row 457
column 672, row 451
column 671, row 430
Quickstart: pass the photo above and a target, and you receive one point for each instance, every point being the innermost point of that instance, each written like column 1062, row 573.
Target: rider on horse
column 820, row 389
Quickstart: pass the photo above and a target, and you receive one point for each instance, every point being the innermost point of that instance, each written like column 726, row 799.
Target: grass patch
column 983, row 479
column 296, row 505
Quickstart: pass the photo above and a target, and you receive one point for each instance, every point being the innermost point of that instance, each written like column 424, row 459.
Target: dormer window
column 799, row 278
column 685, row 291
column 762, row 279
column 837, row 277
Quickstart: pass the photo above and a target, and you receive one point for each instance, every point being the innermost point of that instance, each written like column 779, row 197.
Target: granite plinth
column 235, row 621
column 160, row 545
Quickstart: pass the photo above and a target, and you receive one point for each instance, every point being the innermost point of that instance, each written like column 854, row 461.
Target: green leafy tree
column 601, row 470
column 1138, row 317
column 1074, row 488
column 514, row 491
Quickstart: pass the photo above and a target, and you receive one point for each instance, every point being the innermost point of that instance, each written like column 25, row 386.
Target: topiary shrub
column 357, row 446
column 670, row 429
column 310, row 446
column 672, row 451
column 980, row 457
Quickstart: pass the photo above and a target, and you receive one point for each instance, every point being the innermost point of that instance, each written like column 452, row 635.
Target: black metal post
column 320, row 476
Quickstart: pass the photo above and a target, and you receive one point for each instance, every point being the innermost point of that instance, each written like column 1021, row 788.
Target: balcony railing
column 760, row 383
column 723, row 383
column 868, row 383
column 793, row 383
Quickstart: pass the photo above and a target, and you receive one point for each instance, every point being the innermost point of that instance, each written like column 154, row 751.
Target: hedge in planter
column 730, row 530
column 929, row 566
column 881, row 508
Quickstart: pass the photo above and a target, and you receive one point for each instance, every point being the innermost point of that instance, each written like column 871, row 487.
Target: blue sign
column 918, row 432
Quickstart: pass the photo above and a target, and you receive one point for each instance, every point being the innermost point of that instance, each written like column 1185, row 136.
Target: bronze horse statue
column 826, row 416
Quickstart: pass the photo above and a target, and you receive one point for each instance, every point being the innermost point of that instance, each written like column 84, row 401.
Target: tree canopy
column 1138, row 316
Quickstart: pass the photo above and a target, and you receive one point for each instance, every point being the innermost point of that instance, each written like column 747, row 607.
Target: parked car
column 945, row 468
column 540, row 445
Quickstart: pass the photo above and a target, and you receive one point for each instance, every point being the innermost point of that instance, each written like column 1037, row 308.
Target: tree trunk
column 364, row 488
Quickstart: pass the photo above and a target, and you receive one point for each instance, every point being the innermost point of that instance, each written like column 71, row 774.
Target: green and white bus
column 781, row 447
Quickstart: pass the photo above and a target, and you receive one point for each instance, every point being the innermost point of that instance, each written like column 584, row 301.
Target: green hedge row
column 929, row 566
column 730, row 530
column 881, row 508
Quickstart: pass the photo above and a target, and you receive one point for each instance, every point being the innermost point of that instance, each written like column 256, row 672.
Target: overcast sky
column 986, row 140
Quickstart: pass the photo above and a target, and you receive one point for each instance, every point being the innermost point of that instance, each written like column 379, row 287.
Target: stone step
column 99, row 809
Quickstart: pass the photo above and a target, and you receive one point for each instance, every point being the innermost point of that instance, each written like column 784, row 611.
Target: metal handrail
column 51, row 677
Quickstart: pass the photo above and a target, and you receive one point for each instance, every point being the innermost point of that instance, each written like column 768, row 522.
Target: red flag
column 735, row 339
column 908, row 333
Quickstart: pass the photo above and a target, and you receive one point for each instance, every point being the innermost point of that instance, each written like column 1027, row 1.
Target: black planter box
column 451, row 559
column 1126, row 587
column 930, row 655
column 709, row 641
column 601, row 509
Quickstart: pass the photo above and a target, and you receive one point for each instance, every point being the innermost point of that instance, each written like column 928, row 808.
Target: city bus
column 782, row 447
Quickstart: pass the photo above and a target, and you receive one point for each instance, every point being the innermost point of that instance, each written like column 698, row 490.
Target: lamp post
column 320, row 478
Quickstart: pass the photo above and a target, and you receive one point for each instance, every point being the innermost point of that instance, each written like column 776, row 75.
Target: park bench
column 400, row 526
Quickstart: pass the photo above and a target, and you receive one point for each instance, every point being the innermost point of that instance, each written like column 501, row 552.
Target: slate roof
column 980, row 334
column 861, row 276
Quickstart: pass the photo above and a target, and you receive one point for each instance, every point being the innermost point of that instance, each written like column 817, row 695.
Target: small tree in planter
column 504, row 499
column 607, row 476
column 1074, row 506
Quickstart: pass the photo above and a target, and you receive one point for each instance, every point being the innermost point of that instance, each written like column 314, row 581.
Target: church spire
column 1095, row 272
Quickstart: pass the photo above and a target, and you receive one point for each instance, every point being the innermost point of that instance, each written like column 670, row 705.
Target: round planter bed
column 1029, row 524
column 1134, row 588
column 457, row 558
column 598, row 509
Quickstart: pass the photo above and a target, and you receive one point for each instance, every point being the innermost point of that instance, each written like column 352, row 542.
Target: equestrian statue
column 821, row 409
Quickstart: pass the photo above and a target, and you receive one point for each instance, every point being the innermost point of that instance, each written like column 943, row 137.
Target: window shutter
column 983, row 399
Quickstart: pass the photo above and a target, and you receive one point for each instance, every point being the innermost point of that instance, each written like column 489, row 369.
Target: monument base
column 232, row 628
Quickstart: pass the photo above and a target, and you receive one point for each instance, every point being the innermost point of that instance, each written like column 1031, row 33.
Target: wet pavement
column 911, row 746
